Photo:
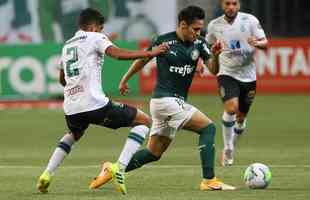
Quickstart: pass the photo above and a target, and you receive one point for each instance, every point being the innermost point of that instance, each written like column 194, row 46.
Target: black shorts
column 113, row 115
column 230, row 88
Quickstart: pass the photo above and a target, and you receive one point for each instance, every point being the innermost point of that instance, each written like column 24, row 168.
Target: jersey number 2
column 73, row 58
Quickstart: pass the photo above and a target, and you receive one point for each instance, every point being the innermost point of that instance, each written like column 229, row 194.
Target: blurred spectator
column 64, row 13
column 17, row 25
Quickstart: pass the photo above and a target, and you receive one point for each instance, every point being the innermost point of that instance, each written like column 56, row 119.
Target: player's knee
column 154, row 155
column 76, row 136
column 231, row 108
column 143, row 119
column 148, row 121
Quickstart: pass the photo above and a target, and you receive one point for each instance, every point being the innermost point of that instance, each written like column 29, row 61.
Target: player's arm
column 211, row 59
column 213, row 65
column 259, row 39
column 62, row 79
column 260, row 43
column 216, row 49
column 123, row 54
column 136, row 66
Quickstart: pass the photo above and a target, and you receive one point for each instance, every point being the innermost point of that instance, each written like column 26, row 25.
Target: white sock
column 227, row 130
column 61, row 151
column 238, row 130
column 134, row 141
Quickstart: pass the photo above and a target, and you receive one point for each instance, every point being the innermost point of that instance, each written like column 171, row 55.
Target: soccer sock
column 207, row 151
column 238, row 130
column 227, row 130
column 141, row 158
column 135, row 139
column 61, row 151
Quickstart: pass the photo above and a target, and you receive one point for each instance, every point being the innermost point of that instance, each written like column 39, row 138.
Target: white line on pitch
column 151, row 166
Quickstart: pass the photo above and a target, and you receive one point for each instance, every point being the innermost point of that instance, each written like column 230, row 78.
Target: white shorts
column 169, row 114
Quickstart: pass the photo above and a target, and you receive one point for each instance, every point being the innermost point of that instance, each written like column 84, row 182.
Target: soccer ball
column 257, row 176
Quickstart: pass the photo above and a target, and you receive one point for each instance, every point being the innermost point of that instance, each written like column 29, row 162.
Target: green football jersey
column 176, row 68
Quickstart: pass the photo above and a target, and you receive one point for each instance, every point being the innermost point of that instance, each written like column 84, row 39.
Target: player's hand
column 159, row 50
column 253, row 41
column 201, row 67
column 123, row 88
column 217, row 48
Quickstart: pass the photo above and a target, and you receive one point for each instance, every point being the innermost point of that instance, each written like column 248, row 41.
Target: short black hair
column 90, row 16
column 190, row 14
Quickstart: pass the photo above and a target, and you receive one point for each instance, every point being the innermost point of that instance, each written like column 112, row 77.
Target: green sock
column 141, row 158
column 207, row 151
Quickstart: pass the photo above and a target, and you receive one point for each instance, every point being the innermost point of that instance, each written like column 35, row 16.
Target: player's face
column 95, row 28
column 192, row 31
column 99, row 28
column 231, row 8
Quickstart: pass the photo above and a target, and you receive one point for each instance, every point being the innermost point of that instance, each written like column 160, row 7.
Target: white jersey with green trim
column 82, row 59
column 237, row 58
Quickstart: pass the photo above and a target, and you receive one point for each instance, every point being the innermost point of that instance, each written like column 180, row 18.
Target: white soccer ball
column 257, row 176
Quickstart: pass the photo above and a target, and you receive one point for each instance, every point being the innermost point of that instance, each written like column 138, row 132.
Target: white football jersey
column 82, row 59
column 237, row 58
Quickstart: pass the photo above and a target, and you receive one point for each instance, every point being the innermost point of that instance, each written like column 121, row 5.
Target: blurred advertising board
column 31, row 72
column 283, row 68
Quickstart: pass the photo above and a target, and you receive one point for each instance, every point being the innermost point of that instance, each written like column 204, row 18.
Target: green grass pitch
column 278, row 135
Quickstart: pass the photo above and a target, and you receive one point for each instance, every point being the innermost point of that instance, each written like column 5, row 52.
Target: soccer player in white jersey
column 84, row 101
column 241, row 34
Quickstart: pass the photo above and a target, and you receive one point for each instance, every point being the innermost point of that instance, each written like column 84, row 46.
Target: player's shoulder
column 217, row 21
column 86, row 36
column 167, row 37
column 96, row 36
column 247, row 17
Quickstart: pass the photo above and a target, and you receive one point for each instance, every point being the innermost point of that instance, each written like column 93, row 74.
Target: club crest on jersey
column 195, row 54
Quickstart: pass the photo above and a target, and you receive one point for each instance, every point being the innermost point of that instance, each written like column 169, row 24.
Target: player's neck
column 230, row 19
column 180, row 35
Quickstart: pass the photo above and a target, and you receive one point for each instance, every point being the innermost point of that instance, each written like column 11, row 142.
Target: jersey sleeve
column 205, row 52
column 257, row 29
column 210, row 37
column 102, row 42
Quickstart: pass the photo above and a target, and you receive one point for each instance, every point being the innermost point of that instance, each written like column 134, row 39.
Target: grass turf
column 278, row 135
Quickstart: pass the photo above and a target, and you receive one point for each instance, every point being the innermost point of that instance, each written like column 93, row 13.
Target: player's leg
column 161, row 134
column 229, row 91
column 135, row 138
column 77, row 126
column 121, row 115
column 247, row 95
column 202, row 125
column 156, row 146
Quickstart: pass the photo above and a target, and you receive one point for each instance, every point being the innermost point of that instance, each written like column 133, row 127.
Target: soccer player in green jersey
column 169, row 110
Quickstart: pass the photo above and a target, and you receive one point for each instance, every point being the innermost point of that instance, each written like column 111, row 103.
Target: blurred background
column 33, row 31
